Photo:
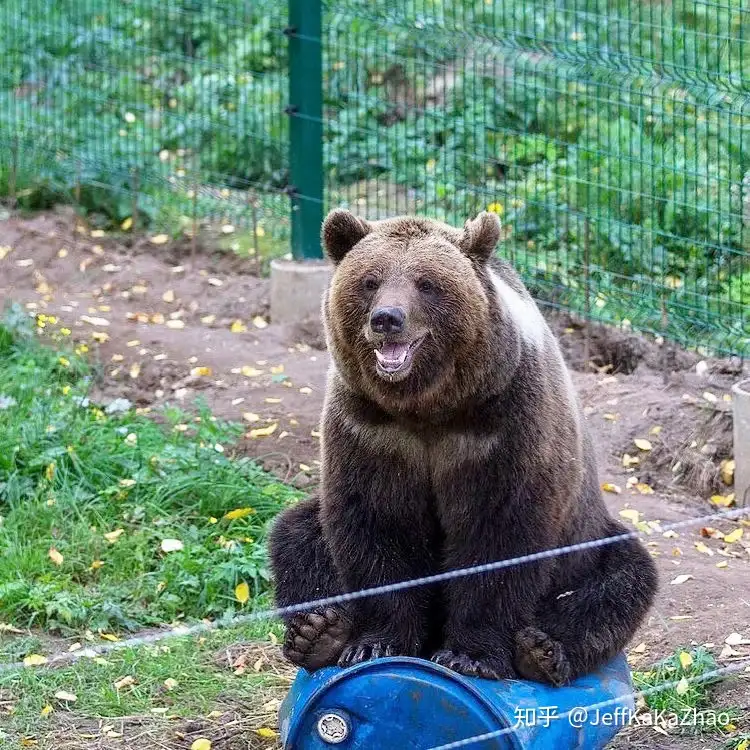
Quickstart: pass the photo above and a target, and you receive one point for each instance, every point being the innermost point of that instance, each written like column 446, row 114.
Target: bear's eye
column 426, row 286
column 371, row 284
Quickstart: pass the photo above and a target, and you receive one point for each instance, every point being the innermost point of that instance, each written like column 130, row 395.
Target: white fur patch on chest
column 524, row 313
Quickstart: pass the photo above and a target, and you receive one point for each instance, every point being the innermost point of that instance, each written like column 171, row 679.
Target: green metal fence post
column 306, row 126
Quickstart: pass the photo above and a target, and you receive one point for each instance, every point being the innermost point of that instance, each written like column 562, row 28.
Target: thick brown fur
column 474, row 451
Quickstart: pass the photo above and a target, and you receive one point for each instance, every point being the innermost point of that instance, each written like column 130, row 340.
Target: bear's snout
column 386, row 320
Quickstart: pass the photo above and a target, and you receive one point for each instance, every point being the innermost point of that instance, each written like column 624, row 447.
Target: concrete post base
column 297, row 289
column 741, row 403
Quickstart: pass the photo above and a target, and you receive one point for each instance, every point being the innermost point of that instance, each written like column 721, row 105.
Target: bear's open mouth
column 396, row 356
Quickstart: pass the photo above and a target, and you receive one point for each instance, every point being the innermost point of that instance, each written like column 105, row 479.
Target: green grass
column 202, row 683
column 677, row 699
column 687, row 694
column 87, row 498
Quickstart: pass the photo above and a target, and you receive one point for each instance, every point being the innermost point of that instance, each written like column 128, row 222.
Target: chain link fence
column 612, row 137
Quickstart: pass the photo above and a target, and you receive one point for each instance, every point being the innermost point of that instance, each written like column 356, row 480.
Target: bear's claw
column 316, row 639
column 488, row 669
column 541, row 658
column 376, row 646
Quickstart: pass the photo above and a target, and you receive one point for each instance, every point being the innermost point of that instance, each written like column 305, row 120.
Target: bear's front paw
column 488, row 668
column 541, row 658
column 375, row 647
column 316, row 639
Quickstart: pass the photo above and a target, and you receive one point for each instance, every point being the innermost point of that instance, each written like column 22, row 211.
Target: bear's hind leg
column 578, row 631
column 303, row 570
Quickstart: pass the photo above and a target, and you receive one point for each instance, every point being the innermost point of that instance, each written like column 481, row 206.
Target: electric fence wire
column 269, row 614
column 579, row 714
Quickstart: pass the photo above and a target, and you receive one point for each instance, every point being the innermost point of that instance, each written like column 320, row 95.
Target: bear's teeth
column 392, row 362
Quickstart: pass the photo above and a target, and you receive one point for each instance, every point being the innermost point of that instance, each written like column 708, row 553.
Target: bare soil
column 126, row 293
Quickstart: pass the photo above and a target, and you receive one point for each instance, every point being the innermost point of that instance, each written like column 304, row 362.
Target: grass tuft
column 89, row 492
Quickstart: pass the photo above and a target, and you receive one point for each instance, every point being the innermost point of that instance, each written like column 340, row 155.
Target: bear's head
column 407, row 312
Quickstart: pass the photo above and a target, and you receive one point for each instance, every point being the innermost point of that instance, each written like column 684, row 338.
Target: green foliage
column 612, row 136
column 104, row 487
column 693, row 694
column 200, row 682
column 125, row 102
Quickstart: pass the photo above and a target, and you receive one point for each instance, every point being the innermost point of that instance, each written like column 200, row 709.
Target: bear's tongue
column 392, row 355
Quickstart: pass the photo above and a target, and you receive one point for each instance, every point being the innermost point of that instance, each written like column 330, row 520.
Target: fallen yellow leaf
column 55, row 556
column 233, row 515
column 124, row 682
column 170, row 683
column 201, row 744
column 127, row 224
column 682, row 686
column 96, row 565
column 260, row 322
column 34, row 660
column 685, row 659
column 733, row 536
column 266, row 733
column 238, row 327
column 727, row 471
column 160, row 239
column 46, row 711
column 176, row 324
column 109, row 637
column 723, row 501
column 135, row 370
column 630, row 514
column 201, row 372
column 113, row 536
column 643, row 444
column 242, row 592
column 273, row 400
column 703, row 548
column 250, row 372
column 610, row 487
column 250, row 416
column 263, row 431
column 168, row 296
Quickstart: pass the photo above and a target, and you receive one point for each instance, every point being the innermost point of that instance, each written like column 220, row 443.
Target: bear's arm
column 494, row 509
column 379, row 522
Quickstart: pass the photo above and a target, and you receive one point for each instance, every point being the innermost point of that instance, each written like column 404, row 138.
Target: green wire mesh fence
column 612, row 136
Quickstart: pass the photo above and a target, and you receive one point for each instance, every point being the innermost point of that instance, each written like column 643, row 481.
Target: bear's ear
column 480, row 236
column 342, row 230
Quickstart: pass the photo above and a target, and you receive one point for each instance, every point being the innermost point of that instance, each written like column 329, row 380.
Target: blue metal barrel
column 411, row 704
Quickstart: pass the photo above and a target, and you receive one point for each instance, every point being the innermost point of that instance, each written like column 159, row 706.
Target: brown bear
column 451, row 437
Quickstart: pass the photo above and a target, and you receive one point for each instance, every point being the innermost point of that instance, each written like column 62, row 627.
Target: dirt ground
column 162, row 317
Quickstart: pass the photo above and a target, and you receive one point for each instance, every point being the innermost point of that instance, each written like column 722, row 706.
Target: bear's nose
column 387, row 320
